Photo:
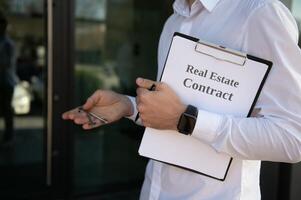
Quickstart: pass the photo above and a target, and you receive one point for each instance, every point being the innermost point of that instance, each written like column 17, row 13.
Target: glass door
column 22, row 99
column 115, row 42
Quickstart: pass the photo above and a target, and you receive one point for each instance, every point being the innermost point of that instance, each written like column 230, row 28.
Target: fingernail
column 139, row 80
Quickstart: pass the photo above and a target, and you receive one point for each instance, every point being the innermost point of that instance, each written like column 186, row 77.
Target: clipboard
column 200, row 64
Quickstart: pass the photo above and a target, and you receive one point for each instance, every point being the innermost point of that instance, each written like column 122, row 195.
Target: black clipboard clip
column 221, row 53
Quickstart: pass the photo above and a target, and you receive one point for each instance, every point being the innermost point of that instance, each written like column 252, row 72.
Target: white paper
column 186, row 151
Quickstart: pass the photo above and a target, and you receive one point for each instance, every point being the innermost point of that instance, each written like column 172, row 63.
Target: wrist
column 187, row 120
column 129, row 107
column 179, row 112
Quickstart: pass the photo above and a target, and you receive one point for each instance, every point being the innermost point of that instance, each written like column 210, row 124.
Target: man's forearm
column 265, row 138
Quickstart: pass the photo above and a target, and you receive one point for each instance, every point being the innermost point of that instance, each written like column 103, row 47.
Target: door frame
column 60, row 97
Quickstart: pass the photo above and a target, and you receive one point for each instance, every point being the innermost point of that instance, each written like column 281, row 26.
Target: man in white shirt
column 263, row 28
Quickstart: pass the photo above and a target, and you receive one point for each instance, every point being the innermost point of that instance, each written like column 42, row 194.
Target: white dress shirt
column 263, row 28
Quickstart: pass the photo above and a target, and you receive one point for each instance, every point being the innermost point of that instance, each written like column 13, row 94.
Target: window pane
column 296, row 9
column 116, row 41
column 22, row 81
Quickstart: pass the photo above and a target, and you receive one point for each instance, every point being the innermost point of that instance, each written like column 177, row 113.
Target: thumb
column 92, row 100
column 144, row 83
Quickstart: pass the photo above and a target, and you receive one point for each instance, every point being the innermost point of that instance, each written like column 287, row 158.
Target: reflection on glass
column 296, row 9
column 116, row 41
column 22, row 63
column 8, row 80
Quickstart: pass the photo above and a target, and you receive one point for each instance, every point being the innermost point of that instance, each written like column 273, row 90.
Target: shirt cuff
column 206, row 126
column 133, row 101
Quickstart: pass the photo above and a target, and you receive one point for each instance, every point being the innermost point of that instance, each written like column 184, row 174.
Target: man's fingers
column 88, row 126
column 81, row 120
column 141, row 91
column 69, row 115
column 65, row 115
column 89, row 104
column 92, row 100
column 142, row 95
column 144, row 83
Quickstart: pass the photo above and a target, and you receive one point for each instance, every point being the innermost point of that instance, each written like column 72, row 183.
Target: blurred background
column 62, row 52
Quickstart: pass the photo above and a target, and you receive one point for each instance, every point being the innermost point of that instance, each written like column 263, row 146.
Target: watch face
column 186, row 124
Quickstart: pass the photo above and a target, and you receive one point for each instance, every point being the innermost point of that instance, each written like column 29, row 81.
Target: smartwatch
column 187, row 120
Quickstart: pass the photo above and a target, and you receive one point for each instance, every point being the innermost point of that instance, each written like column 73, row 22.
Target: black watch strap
column 187, row 120
column 192, row 110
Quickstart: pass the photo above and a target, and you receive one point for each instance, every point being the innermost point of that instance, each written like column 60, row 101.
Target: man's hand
column 160, row 109
column 107, row 104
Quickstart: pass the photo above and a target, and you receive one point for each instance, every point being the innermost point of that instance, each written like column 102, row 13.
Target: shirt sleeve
column 133, row 117
column 274, row 133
